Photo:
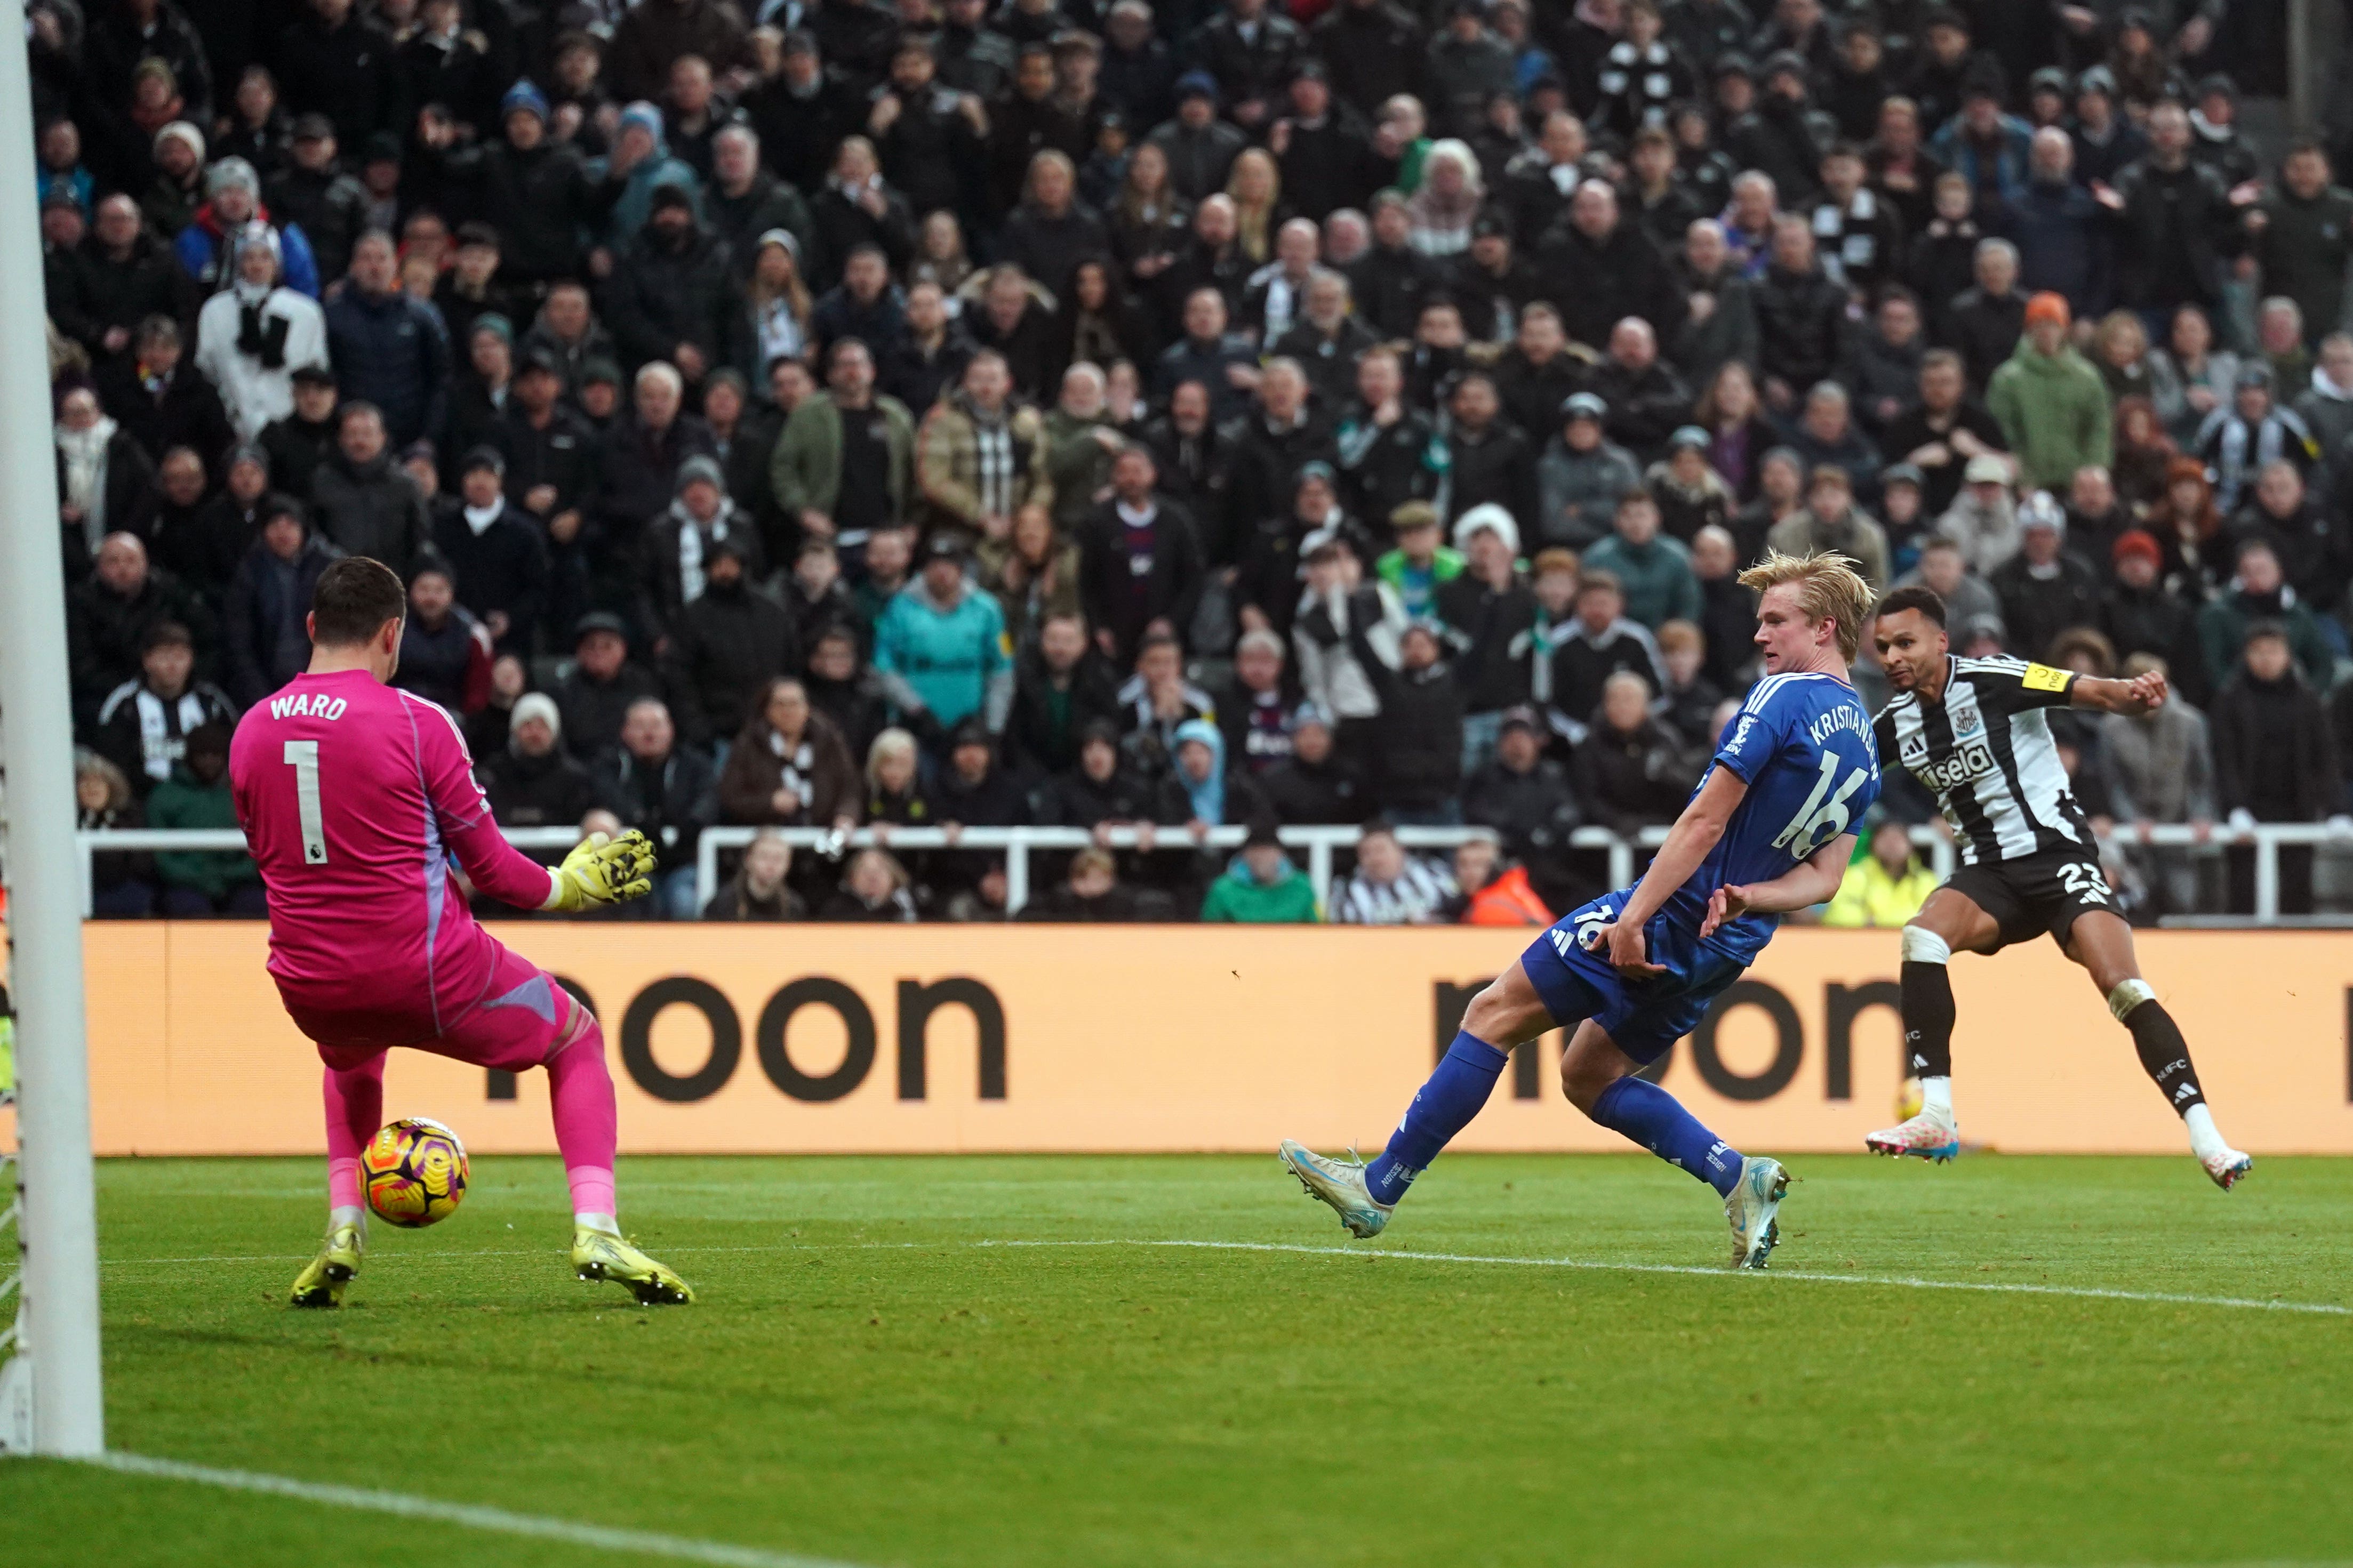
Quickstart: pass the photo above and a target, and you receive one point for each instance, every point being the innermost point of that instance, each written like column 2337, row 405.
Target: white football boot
column 1932, row 1134
column 1340, row 1184
column 2226, row 1166
column 2223, row 1163
column 1750, row 1210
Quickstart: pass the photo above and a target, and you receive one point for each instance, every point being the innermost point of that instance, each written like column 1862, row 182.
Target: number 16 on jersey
column 1818, row 821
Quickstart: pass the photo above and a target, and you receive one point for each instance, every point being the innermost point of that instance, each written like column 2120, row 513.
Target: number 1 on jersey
column 302, row 757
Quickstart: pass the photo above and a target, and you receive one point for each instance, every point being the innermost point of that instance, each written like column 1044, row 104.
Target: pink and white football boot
column 1932, row 1134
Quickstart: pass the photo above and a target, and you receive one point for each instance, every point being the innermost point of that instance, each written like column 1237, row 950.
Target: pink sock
column 587, row 1126
column 354, row 1097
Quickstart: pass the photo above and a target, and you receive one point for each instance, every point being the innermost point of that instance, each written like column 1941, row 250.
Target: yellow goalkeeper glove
column 603, row 871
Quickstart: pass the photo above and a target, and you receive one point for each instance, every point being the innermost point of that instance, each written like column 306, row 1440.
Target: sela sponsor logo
column 1973, row 760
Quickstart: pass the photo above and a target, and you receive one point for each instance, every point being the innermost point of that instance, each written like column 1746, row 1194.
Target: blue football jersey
column 1803, row 743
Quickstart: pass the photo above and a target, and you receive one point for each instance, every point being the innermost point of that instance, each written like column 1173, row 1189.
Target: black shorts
column 2046, row 892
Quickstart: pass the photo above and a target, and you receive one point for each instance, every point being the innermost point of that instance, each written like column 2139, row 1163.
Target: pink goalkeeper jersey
column 353, row 796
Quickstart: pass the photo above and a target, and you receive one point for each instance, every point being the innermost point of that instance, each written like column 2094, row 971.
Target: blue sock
column 1455, row 1093
column 1656, row 1120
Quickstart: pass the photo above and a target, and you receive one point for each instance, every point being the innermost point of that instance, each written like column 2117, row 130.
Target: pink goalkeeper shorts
column 520, row 1021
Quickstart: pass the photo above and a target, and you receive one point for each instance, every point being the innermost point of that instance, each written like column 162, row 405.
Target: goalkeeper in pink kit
column 353, row 797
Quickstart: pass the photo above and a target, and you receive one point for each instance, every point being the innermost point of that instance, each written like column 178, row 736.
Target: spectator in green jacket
column 2260, row 593
column 2051, row 402
column 1263, row 887
column 1420, row 565
column 200, row 882
column 1653, row 570
column 1081, row 442
column 829, row 485
column 941, row 650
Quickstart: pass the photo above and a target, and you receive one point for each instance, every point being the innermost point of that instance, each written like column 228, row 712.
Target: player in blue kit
column 1769, row 829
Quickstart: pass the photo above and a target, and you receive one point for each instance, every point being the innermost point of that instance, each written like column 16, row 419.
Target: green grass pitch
column 864, row 1381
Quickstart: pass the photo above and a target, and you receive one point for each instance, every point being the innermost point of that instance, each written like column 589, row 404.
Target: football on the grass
column 415, row 1171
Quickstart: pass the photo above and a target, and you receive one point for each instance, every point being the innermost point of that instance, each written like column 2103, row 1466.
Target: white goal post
column 51, row 1397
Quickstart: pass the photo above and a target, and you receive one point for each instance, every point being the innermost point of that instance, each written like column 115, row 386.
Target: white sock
column 1937, row 1096
column 603, row 1222
column 347, row 1214
column 2205, row 1138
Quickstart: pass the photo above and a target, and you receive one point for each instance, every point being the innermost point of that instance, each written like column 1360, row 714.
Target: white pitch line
column 1587, row 1265
column 645, row 1542
column 534, row 1252
column 1596, row 1266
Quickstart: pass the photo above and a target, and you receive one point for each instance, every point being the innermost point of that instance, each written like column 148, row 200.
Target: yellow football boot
column 601, row 1255
column 322, row 1284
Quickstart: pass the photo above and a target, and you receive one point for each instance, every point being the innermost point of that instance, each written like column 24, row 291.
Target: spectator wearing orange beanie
column 2051, row 402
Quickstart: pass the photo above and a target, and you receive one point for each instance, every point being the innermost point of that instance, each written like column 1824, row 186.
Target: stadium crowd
column 960, row 412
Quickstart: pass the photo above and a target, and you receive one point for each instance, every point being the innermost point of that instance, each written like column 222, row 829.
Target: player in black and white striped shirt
column 1974, row 731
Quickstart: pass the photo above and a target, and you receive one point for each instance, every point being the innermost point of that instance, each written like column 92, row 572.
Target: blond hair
column 1254, row 221
column 889, row 743
column 1828, row 587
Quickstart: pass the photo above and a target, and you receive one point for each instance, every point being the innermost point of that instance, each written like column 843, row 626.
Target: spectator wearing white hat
column 254, row 334
column 207, row 248
column 2043, row 589
column 178, row 154
column 532, row 784
column 1982, row 520
column 1488, row 616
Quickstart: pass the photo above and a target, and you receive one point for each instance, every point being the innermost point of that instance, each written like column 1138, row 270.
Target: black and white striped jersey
column 1417, row 898
column 1984, row 749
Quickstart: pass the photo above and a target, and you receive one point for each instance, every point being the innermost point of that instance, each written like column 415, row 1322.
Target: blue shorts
column 1644, row 1018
